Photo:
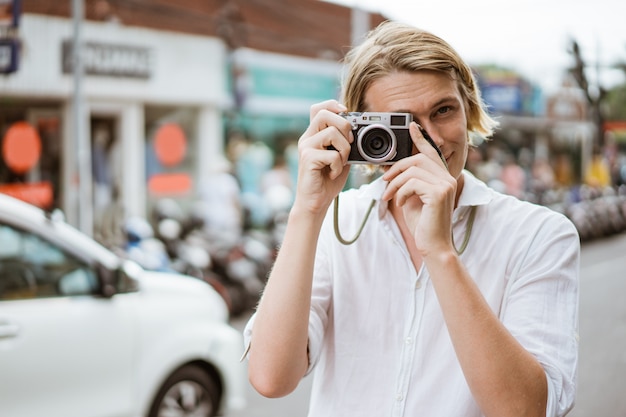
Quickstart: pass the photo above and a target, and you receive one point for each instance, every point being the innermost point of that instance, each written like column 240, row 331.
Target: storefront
column 274, row 92
column 153, row 104
column 273, row 95
column 555, row 128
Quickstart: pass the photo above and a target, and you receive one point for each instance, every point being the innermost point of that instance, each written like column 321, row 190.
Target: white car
column 85, row 333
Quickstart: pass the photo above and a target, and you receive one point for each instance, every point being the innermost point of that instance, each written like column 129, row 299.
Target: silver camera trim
column 362, row 122
column 393, row 150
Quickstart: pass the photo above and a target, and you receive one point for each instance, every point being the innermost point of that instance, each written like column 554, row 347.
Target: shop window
column 30, row 160
column 171, row 152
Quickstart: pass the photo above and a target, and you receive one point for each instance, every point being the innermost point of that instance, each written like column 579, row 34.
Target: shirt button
column 399, row 396
column 408, row 340
column 418, row 285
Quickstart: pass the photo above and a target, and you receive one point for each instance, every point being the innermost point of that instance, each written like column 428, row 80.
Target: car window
column 32, row 267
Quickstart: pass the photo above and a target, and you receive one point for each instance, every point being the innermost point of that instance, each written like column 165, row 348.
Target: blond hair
column 395, row 46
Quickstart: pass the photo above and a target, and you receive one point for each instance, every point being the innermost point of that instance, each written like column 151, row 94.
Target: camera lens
column 376, row 143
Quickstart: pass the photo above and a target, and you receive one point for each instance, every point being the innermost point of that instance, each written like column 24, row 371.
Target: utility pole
column 80, row 136
column 594, row 98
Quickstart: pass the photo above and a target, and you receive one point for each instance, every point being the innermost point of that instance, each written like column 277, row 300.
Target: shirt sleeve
column 247, row 337
column 321, row 294
column 320, row 302
column 540, row 307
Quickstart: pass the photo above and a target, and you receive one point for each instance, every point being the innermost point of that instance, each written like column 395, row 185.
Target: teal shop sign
column 279, row 83
column 273, row 93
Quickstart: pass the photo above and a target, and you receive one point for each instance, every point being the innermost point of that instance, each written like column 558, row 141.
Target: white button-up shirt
column 378, row 341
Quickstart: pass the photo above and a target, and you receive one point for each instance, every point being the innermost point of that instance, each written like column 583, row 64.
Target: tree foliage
column 605, row 104
column 614, row 106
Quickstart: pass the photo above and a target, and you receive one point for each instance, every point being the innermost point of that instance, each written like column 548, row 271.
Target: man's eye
column 443, row 110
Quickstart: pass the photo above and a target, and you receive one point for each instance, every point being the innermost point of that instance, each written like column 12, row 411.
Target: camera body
column 379, row 138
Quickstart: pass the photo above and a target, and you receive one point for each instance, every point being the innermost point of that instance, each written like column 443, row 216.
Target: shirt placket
column 409, row 345
column 408, row 349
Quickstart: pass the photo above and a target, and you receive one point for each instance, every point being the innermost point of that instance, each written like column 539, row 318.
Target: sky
column 531, row 37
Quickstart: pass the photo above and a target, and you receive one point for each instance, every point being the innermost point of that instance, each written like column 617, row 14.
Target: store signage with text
column 110, row 60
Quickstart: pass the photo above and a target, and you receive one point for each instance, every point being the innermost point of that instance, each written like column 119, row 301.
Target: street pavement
column 602, row 359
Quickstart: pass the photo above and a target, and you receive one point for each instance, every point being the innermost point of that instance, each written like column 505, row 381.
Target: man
column 454, row 300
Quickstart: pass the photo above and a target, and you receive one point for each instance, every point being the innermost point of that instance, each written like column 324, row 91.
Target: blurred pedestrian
column 277, row 190
column 542, row 179
column 598, row 174
column 109, row 228
column 563, row 171
column 220, row 198
column 513, row 177
column 448, row 298
column 278, row 175
column 255, row 160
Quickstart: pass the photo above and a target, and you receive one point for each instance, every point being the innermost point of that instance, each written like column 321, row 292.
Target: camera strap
column 336, row 222
column 468, row 231
column 466, row 238
column 470, row 220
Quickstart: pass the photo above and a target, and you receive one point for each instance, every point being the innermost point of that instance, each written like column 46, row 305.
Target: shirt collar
column 475, row 193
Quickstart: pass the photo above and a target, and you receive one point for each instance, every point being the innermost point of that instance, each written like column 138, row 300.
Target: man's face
column 435, row 102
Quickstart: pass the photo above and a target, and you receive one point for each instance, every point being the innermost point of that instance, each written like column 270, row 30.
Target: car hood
column 172, row 285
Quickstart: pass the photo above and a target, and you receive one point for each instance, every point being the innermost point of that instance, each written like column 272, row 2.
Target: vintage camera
column 379, row 138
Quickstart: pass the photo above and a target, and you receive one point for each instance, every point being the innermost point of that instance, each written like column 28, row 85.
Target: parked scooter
column 597, row 213
column 143, row 247
column 222, row 259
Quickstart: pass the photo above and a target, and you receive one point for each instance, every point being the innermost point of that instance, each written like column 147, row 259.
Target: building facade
column 162, row 84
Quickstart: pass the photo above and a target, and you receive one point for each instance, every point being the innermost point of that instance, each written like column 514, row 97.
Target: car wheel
column 189, row 392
